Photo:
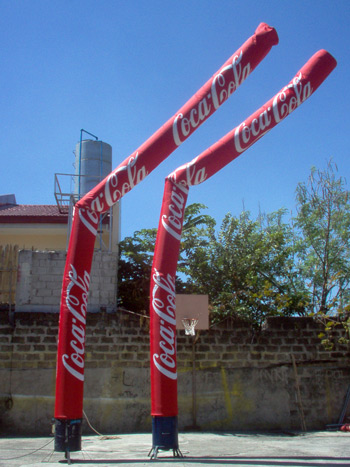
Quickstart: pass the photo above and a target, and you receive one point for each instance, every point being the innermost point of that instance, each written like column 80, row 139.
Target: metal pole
column 194, row 401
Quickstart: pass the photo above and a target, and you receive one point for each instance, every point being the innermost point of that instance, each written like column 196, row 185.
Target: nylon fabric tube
column 71, row 345
column 73, row 315
column 200, row 169
column 183, row 123
column 162, row 302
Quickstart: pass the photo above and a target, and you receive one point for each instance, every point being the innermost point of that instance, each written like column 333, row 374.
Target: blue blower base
column 164, row 436
column 68, row 435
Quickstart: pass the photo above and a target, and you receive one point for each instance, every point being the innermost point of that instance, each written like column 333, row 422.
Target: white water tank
column 93, row 162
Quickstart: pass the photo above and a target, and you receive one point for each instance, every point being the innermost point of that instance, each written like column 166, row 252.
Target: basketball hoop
column 189, row 325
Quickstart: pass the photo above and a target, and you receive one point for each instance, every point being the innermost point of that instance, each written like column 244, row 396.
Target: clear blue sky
column 120, row 69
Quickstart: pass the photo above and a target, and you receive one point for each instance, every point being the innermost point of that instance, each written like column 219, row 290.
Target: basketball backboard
column 192, row 307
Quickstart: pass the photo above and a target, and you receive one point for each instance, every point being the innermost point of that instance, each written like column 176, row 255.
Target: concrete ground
column 215, row 449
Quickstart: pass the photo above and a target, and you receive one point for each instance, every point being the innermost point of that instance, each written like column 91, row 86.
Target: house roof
column 31, row 214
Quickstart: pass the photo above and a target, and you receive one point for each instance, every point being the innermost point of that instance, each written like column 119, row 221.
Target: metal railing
column 65, row 189
column 66, row 197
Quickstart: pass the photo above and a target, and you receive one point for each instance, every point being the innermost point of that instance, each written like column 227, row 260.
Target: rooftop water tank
column 93, row 162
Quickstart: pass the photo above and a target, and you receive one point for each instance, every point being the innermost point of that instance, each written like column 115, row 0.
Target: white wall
column 40, row 275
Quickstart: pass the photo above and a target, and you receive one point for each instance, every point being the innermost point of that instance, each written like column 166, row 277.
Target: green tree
column 247, row 269
column 134, row 270
column 254, row 268
column 136, row 257
column 196, row 233
column 323, row 219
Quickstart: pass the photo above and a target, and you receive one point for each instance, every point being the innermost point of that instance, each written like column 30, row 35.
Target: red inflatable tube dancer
column 75, row 287
column 186, row 120
column 162, row 289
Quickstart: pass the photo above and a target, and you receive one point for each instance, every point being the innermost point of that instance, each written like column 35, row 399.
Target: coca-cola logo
column 173, row 223
column 163, row 304
column 76, row 301
column 221, row 88
column 189, row 175
column 287, row 100
column 90, row 219
column 247, row 134
column 224, row 83
column 118, row 183
column 290, row 98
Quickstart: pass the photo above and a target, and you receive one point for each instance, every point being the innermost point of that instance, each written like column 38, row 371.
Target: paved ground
column 212, row 449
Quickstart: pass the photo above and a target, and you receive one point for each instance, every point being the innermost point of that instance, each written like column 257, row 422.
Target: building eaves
column 32, row 214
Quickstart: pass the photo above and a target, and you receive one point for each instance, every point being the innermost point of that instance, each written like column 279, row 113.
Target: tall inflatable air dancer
column 162, row 290
column 76, row 278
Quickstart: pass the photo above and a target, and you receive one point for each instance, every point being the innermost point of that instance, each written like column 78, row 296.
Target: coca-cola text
column 76, row 301
column 224, row 83
column 163, row 304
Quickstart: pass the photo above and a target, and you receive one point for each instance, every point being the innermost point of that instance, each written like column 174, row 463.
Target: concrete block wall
column 244, row 380
column 40, row 274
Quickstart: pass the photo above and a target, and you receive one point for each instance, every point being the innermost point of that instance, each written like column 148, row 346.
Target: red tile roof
column 31, row 214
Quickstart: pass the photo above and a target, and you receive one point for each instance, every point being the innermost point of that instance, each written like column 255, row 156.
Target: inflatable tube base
column 68, row 435
column 164, row 436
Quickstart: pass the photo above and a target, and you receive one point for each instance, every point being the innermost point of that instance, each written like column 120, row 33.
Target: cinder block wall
column 244, row 381
column 39, row 281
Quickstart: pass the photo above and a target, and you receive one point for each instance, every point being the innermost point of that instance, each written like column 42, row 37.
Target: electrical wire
column 88, row 422
column 51, row 440
column 28, row 454
column 103, row 437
